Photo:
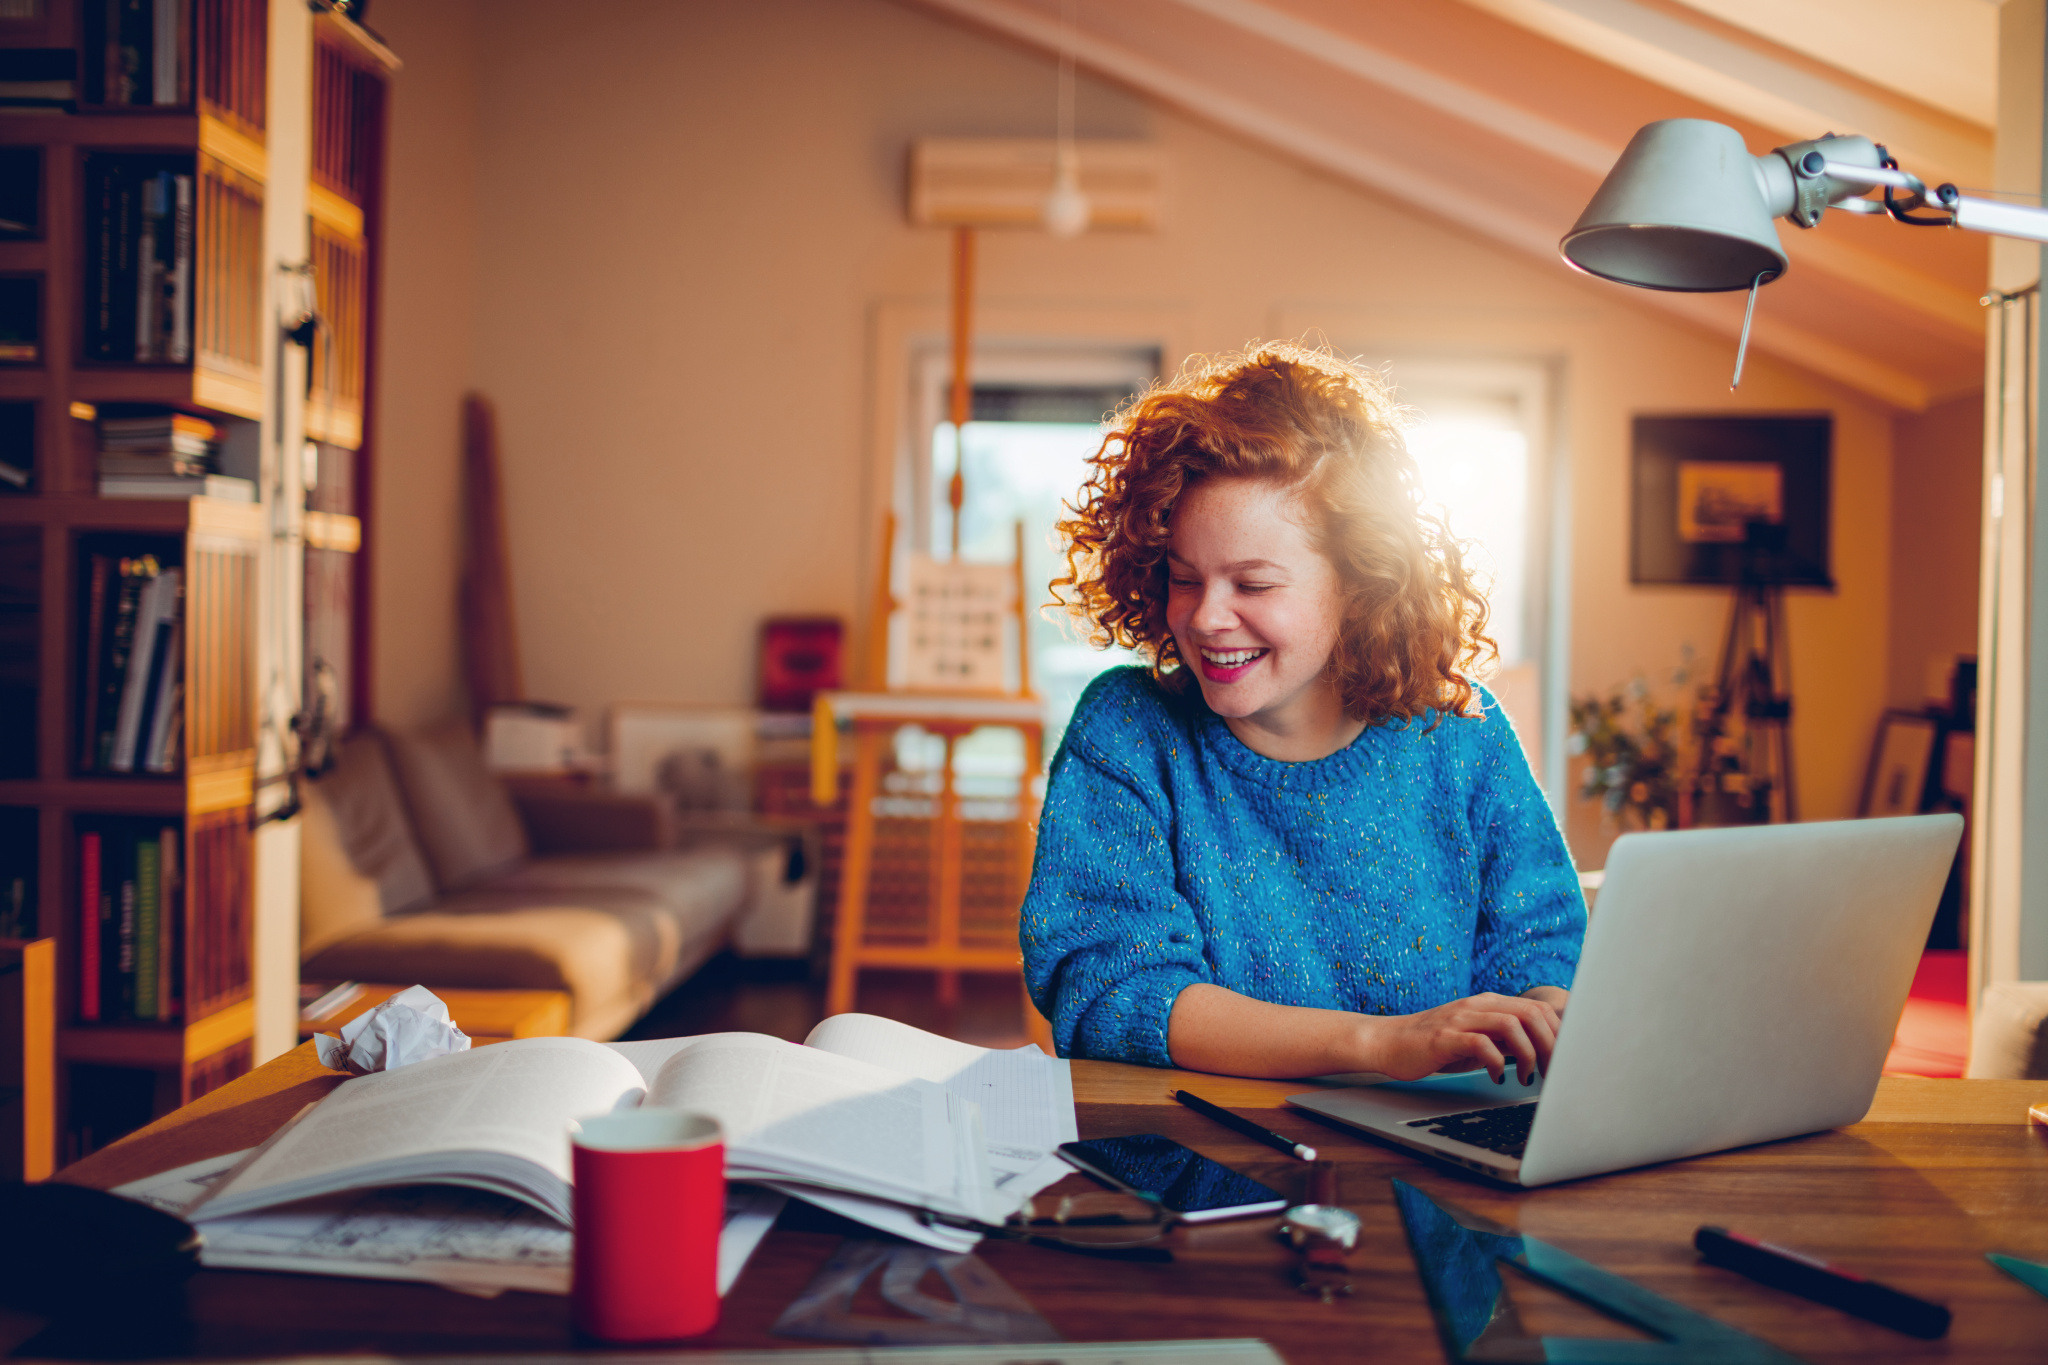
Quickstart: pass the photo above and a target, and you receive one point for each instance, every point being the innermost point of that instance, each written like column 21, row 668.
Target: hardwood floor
column 782, row 999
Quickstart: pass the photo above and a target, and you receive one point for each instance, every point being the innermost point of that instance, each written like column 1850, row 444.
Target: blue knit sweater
column 1411, row 868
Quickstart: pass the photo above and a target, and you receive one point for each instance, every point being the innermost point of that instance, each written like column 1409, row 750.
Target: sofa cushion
column 335, row 900
column 2008, row 1040
column 461, row 813
column 701, row 892
column 363, row 796
column 585, row 951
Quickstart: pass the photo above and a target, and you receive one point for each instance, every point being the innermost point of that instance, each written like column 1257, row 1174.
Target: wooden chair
column 951, row 677
column 28, row 1058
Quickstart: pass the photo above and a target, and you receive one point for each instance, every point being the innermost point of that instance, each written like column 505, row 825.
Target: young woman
column 1303, row 840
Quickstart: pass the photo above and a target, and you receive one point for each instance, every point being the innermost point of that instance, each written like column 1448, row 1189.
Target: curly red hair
column 1414, row 628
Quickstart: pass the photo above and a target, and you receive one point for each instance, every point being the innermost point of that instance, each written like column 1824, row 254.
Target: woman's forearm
column 1213, row 1029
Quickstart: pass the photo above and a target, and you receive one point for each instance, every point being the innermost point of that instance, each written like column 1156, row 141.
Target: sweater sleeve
column 1532, row 915
column 1108, row 941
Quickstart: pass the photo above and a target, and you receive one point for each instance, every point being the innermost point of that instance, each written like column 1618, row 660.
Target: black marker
column 1245, row 1126
column 1812, row 1278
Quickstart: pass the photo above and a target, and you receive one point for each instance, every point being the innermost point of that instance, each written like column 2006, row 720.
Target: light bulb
column 1066, row 210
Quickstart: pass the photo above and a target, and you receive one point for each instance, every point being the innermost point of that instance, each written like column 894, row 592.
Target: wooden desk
column 1941, row 1172
column 486, row 1016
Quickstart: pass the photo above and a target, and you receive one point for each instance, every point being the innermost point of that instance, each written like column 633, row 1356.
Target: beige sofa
column 417, row 865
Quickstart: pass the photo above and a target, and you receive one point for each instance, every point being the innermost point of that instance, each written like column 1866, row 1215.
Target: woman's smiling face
column 1255, row 608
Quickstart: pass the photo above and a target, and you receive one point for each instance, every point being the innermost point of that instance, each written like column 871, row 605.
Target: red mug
column 649, row 1206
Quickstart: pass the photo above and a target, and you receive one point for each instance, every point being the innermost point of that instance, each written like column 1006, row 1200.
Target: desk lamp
column 1687, row 208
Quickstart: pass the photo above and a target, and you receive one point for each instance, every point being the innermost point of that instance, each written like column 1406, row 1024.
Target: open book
column 867, row 1116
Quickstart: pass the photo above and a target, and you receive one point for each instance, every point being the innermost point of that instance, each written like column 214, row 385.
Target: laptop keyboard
column 1503, row 1128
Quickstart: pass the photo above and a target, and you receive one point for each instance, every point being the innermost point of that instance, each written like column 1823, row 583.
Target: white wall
column 423, row 357
column 684, row 259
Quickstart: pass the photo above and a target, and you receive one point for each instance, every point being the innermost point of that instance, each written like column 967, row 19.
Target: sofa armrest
column 562, row 819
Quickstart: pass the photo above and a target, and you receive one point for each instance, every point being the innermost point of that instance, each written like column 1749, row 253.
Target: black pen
column 1812, row 1278
column 1245, row 1126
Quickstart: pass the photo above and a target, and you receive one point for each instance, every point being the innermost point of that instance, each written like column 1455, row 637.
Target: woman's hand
column 1478, row 1031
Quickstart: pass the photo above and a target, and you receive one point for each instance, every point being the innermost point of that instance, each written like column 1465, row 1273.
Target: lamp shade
column 1683, row 209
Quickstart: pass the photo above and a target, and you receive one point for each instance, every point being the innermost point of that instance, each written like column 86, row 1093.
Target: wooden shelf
column 164, row 1046
column 138, row 130
column 361, row 44
column 99, row 795
column 85, row 512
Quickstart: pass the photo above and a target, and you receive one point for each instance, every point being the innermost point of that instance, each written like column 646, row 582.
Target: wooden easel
column 951, row 712
column 874, row 717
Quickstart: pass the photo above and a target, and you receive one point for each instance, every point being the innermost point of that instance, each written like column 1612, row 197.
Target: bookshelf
column 182, row 117
column 351, row 76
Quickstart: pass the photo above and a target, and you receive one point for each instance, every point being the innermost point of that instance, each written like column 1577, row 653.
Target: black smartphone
column 1185, row 1181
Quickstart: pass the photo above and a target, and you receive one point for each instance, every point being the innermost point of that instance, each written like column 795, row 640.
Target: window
column 1037, row 418
column 1478, row 437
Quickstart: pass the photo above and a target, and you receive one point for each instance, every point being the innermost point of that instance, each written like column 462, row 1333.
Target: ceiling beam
column 1454, row 98
column 1499, row 220
column 1936, row 302
column 1756, row 79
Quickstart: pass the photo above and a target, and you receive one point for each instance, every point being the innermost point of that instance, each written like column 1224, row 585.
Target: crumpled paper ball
column 411, row 1026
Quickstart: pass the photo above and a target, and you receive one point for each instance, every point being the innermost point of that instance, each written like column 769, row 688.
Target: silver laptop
column 1737, row 985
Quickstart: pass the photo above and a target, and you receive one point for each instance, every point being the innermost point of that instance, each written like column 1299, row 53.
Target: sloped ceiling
column 1502, row 116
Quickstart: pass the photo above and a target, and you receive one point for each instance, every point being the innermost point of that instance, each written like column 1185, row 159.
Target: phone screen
column 1185, row 1181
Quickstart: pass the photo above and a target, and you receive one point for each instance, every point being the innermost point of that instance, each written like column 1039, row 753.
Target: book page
column 793, row 1110
column 650, row 1055
column 1026, row 1097
column 512, row 1100
column 471, row 1239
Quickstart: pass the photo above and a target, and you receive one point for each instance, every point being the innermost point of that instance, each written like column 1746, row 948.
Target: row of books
column 134, row 681
column 138, row 279
column 132, row 54
column 164, row 455
column 128, row 880
column 38, row 78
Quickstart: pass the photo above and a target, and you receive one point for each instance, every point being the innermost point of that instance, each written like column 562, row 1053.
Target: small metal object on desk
column 1459, row 1256
column 1322, row 1235
column 983, row 1309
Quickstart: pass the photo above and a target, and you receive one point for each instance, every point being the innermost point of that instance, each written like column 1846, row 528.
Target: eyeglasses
column 1102, row 1223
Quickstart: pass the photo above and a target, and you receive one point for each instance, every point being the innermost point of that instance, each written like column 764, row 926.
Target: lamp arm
column 1988, row 215
column 2025, row 221
column 1869, row 177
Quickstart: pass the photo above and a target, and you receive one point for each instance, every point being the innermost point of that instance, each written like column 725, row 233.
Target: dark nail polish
column 1532, row 1078
column 1501, row 1079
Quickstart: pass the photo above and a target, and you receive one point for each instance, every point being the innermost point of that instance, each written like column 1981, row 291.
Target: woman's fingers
column 1525, row 1029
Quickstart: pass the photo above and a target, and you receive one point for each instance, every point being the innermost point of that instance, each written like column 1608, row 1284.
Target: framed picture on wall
column 1716, row 499
column 1900, row 762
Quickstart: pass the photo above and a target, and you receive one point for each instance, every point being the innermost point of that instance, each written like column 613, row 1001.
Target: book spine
column 110, row 54
column 99, row 341
column 161, row 667
column 148, row 287
column 88, row 695
column 89, row 925
column 164, row 42
column 121, row 341
column 124, row 956
column 113, row 671
column 181, row 274
column 159, row 756
column 135, row 52
column 148, row 927
column 168, row 918
column 135, row 679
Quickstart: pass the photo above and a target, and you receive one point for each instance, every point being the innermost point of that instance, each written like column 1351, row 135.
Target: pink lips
column 1218, row 674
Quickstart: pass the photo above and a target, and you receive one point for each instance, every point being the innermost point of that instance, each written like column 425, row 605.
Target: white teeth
column 1231, row 658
